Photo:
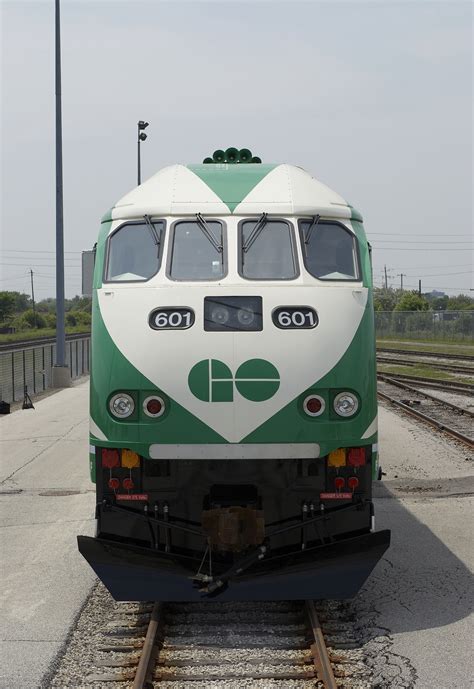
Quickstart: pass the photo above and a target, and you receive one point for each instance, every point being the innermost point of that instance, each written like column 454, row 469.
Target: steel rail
column 435, row 355
column 429, row 419
column 405, row 386
column 469, row 370
column 319, row 650
column 144, row 673
column 435, row 383
column 6, row 347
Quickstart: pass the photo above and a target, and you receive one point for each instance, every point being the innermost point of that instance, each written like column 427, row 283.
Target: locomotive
column 233, row 427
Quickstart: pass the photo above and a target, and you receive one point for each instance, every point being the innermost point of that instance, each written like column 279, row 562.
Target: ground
column 413, row 614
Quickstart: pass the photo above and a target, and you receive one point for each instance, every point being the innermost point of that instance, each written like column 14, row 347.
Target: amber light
column 110, row 458
column 128, row 484
column 356, row 457
column 337, row 458
column 130, row 459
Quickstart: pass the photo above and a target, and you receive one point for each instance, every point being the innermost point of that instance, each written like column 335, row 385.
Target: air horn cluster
column 232, row 155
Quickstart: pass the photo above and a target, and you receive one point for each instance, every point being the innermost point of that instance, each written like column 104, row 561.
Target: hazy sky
column 373, row 98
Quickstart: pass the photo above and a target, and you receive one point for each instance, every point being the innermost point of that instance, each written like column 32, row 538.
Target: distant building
column 435, row 294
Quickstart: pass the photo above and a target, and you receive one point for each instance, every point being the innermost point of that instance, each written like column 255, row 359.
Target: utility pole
column 141, row 136
column 60, row 376
column 386, row 280
column 419, row 287
column 401, row 276
column 33, row 298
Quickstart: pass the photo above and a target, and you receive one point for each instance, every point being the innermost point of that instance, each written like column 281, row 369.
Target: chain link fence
column 456, row 326
column 31, row 366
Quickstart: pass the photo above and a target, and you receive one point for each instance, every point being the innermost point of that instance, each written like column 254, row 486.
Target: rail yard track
column 435, row 383
column 429, row 354
column 453, row 368
column 227, row 645
column 453, row 419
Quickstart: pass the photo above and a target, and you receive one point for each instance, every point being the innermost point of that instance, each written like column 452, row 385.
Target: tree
column 460, row 303
column 385, row 299
column 7, row 306
column 412, row 301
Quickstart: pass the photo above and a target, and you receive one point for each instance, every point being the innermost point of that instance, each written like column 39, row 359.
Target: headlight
column 245, row 316
column 122, row 405
column 220, row 315
column 346, row 404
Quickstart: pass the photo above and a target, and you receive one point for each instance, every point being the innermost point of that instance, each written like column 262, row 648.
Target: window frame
column 355, row 240
column 169, row 258
column 107, row 252
column 293, row 244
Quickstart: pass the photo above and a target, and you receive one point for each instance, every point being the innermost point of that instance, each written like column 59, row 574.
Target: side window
column 134, row 252
column 329, row 250
column 266, row 250
column 197, row 250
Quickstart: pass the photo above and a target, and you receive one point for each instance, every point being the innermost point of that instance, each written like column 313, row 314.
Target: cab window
column 197, row 250
column 134, row 252
column 267, row 250
column 329, row 250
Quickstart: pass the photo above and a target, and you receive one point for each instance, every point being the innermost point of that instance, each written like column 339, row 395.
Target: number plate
column 294, row 317
column 171, row 319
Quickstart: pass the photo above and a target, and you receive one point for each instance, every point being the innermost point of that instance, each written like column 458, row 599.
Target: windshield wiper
column 155, row 236
column 310, row 229
column 208, row 233
column 261, row 222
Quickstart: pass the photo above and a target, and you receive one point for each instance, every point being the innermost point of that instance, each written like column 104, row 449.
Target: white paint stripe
column 95, row 430
column 370, row 430
column 92, row 449
column 236, row 451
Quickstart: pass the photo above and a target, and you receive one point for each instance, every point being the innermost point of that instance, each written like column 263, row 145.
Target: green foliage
column 462, row 302
column 7, row 306
column 385, row 299
column 412, row 301
column 78, row 318
column 28, row 319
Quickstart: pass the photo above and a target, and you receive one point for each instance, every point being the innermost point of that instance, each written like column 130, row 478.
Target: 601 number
column 295, row 317
column 171, row 319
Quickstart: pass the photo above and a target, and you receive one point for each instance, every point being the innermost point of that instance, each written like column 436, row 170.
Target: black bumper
column 337, row 570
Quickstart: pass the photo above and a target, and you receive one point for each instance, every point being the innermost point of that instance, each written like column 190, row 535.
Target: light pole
column 141, row 136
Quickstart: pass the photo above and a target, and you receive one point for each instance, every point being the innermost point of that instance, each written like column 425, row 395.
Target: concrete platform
column 46, row 499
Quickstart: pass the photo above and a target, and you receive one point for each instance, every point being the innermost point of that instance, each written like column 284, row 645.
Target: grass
column 424, row 372
column 33, row 334
column 439, row 347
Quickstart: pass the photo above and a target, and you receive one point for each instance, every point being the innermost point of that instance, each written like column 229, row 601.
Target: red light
column 114, row 483
column 154, row 406
column 339, row 483
column 353, row 482
column 110, row 458
column 356, row 456
column 313, row 405
column 128, row 484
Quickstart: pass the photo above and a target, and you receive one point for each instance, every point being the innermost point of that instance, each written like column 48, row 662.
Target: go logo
column 211, row 380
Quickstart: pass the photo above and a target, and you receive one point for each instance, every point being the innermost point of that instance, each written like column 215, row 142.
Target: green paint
column 231, row 183
column 259, row 389
column 211, row 380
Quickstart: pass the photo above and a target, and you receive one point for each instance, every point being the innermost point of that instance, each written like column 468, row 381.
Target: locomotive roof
column 225, row 189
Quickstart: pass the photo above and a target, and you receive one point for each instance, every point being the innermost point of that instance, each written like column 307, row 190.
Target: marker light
column 339, row 482
column 220, row 315
column 337, row 458
column 122, row 405
column 154, row 406
column 128, row 484
column 245, row 316
column 314, row 405
column 130, row 459
column 356, row 457
column 114, row 483
column 110, row 458
column 353, row 482
column 346, row 404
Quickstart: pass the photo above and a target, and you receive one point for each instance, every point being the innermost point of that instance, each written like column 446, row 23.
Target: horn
column 245, row 155
column 206, row 161
column 232, row 155
column 256, row 159
column 218, row 156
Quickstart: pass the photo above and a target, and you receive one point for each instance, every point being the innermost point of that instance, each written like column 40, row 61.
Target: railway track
column 446, row 416
column 467, row 370
column 434, row 355
column 230, row 645
column 435, row 383
column 38, row 341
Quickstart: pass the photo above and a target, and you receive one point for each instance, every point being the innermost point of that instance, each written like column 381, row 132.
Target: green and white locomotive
column 233, row 422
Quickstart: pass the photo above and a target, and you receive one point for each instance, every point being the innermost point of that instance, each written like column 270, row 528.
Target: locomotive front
column 233, row 393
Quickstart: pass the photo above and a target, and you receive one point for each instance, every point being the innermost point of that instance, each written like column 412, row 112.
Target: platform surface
column 46, row 499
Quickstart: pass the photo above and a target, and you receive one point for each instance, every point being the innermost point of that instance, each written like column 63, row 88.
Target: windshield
column 197, row 250
column 134, row 251
column 329, row 250
column 266, row 250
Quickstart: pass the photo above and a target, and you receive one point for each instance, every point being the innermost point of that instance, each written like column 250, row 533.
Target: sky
column 373, row 98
